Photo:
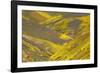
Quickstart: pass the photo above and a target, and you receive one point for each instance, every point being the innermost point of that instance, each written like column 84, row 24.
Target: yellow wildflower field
column 55, row 36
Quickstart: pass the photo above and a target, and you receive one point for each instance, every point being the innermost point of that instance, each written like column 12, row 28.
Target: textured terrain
column 55, row 36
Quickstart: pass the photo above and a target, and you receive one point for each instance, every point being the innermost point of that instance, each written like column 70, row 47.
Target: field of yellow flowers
column 55, row 36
